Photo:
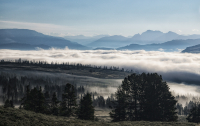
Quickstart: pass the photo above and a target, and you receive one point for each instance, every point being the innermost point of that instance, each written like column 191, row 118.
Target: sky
column 95, row 17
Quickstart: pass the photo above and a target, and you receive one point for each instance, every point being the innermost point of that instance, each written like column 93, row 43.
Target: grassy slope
column 99, row 73
column 17, row 117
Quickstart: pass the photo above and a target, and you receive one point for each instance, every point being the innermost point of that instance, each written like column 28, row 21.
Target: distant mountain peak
column 170, row 32
column 150, row 31
column 30, row 38
column 19, row 32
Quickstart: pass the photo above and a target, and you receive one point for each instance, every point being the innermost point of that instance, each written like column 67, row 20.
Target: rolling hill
column 84, row 40
column 25, row 39
column 169, row 46
column 192, row 49
column 109, row 42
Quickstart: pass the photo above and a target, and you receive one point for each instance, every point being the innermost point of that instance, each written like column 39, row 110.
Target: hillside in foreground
column 18, row 117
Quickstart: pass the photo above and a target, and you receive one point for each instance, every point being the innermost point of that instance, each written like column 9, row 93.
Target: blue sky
column 94, row 17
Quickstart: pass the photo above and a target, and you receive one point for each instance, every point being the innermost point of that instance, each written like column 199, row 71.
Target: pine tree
column 26, row 99
column 194, row 114
column 40, row 102
column 119, row 112
column 11, row 104
column 33, row 100
column 54, row 104
column 159, row 102
column 68, row 104
column 134, row 97
column 47, row 103
column 86, row 110
column 144, row 97
column 8, row 103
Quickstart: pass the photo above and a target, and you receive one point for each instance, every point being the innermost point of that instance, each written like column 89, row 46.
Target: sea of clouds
column 173, row 66
column 180, row 70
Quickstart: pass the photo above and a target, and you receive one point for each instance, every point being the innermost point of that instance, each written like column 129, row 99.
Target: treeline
column 141, row 97
column 185, row 103
column 146, row 97
column 37, row 101
column 185, row 110
column 63, row 66
column 14, row 88
column 194, row 113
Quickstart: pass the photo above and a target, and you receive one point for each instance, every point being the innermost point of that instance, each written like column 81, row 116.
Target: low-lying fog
column 104, row 87
column 173, row 66
column 180, row 70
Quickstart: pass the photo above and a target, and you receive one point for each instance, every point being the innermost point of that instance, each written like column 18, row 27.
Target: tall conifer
column 144, row 97
column 86, row 110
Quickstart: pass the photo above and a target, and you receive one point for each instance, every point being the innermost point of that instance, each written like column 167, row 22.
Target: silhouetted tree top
column 68, row 103
column 144, row 97
column 86, row 110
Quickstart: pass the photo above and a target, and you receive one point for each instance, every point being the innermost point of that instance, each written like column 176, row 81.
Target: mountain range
column 148, row 37
column 25, row 39
column 84, row 40
column 170, row 46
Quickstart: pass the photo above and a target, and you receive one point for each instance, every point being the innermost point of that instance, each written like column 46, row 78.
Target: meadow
column 19, row 117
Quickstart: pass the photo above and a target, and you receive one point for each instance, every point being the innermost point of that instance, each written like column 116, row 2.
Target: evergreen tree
column 54, row 104
column 194, row 114
column 159, row 102
column 86, row 110
column 144, row 97
column 40, row 102
column 11, row 104
column 134, row 93
column 47, row 103
column 68, row 104
column 185, row 110
column 119, row 112
column 25, row 101
column 8, row 103
column 34, row 100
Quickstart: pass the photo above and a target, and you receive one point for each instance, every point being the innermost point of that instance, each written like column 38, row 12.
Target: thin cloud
column 179, row 30
column 195, row 30
column 40, row 27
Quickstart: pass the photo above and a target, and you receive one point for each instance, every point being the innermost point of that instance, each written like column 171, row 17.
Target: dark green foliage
column 185, row 110
column 25, row 101
column 8, row 103
column 34, row 100
column 54, row 104
column 144, row 97
column 47, row 103
column 194, row 114
column 119, row 112
column 68, row 103
column 86, row 110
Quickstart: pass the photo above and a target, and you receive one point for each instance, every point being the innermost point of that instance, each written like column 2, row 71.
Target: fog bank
column 173, row 66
